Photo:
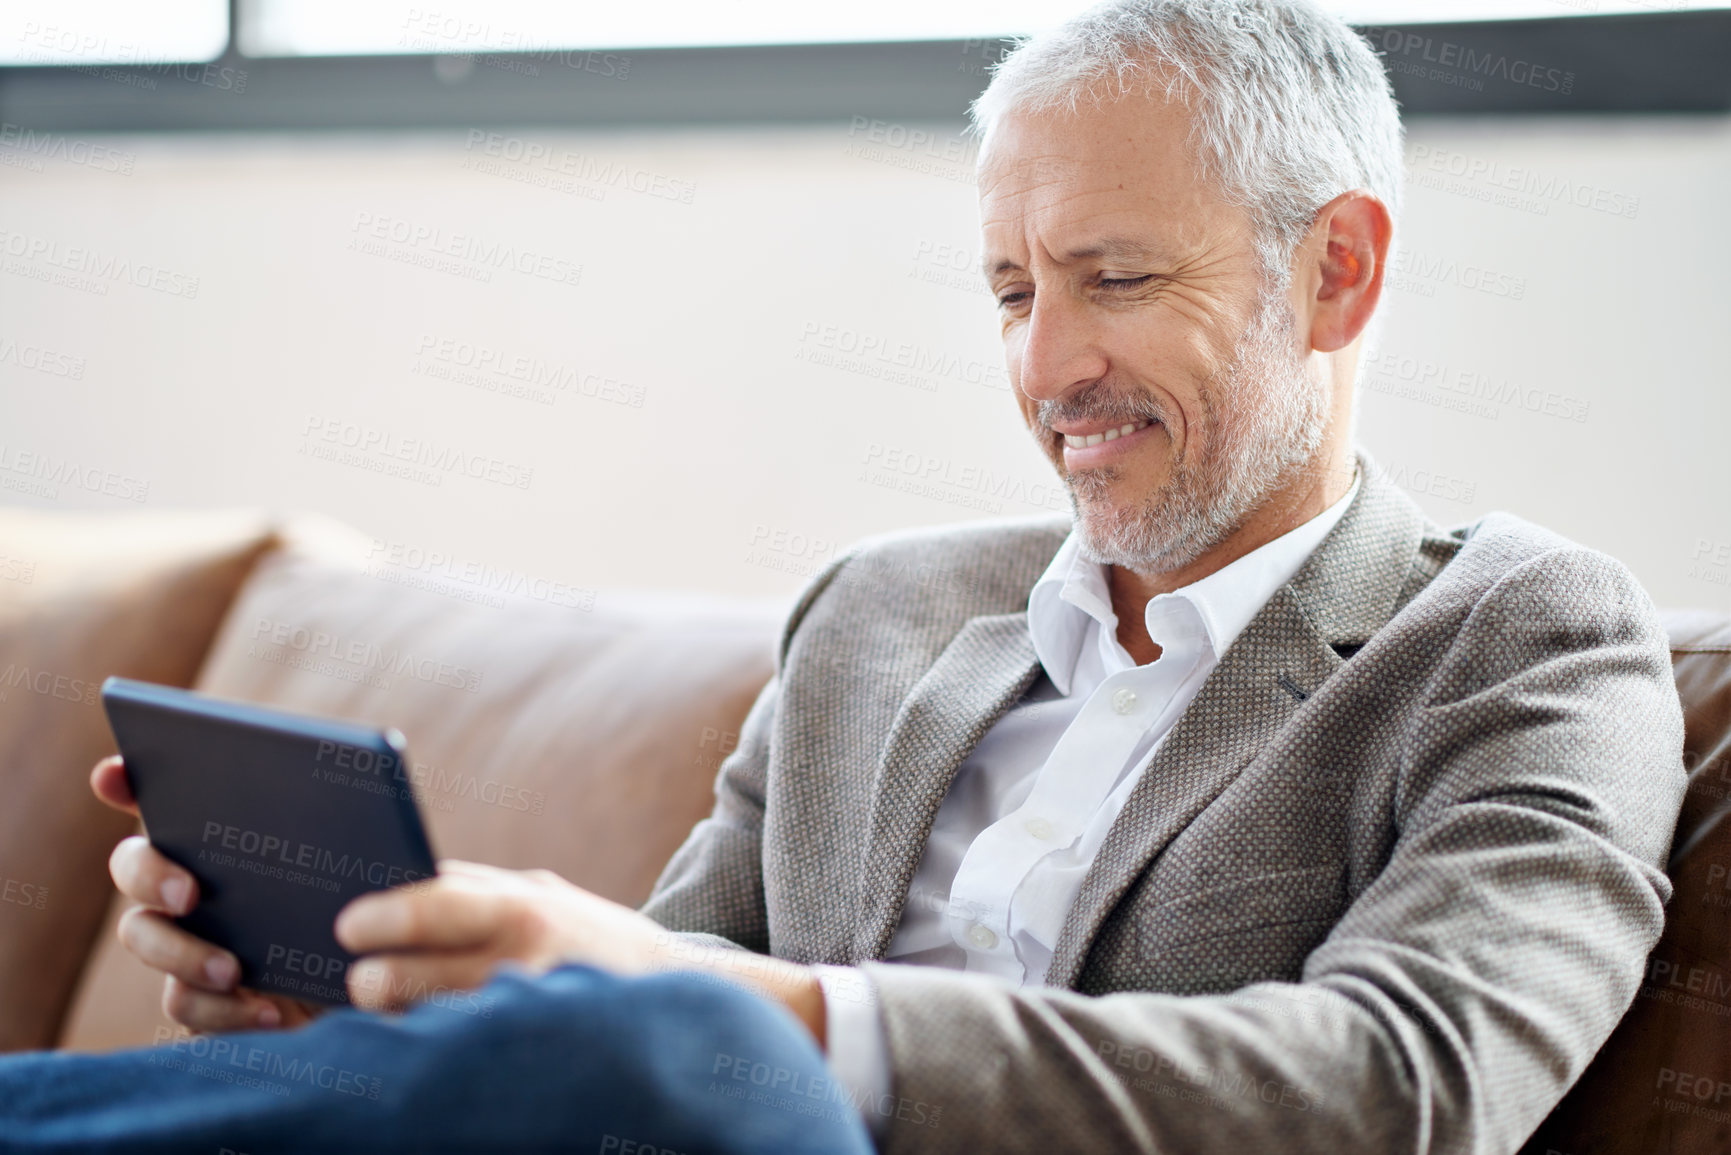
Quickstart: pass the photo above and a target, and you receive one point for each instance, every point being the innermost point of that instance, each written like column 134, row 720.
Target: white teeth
column 1079, row 441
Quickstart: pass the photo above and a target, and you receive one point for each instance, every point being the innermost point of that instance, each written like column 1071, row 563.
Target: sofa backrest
column 580, row 737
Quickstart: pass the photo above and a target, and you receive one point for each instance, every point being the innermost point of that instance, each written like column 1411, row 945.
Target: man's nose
column 1060, row 350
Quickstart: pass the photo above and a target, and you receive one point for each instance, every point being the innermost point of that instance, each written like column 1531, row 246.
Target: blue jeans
column 574, row 1060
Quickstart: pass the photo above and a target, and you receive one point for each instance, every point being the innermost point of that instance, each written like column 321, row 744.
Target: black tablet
column 282, row 819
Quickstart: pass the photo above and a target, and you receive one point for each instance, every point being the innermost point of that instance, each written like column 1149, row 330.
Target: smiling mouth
column 1080, row 441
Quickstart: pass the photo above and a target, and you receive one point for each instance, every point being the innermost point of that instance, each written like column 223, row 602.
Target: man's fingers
column 144, row 875
column 161, row 945
column 199, row 1010
column 447, row 915
column 460, row 867
column 395, row 982
column 109, row 782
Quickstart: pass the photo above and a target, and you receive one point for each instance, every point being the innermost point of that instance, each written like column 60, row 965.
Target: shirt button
column 1124, row 701
column 982, row 936
column 1039, row 828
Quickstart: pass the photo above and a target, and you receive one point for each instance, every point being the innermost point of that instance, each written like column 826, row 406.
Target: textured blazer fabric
column 1387, row 885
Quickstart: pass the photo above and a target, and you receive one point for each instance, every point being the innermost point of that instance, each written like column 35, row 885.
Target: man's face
column 1167, row 387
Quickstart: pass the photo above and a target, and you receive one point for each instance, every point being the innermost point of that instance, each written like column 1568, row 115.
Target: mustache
column 1099, row 402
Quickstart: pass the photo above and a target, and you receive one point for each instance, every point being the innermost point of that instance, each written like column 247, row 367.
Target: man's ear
column 1353, row 231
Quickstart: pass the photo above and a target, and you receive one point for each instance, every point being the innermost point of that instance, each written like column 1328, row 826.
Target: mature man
column 1244, row 811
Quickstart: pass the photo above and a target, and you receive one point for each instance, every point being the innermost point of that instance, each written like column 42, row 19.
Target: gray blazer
column 1387, row 885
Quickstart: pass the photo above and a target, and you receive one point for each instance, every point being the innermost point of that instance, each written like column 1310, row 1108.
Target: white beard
column 1262, row 420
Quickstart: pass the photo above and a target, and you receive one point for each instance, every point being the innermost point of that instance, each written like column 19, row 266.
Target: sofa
column 577, row 730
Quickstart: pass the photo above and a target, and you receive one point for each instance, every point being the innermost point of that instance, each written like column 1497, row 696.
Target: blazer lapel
column 1240, row 707
column 1344, row 593
column 984, row 670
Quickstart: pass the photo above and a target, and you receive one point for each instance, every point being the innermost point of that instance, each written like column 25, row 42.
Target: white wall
column 700, row 439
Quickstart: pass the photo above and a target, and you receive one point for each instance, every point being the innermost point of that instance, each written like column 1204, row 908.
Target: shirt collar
column 1074, row 593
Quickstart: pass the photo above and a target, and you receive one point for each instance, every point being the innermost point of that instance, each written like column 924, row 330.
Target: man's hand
column 201, row 992
column 450, row 932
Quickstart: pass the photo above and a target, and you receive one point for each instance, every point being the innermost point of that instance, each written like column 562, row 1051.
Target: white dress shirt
column 1031, row 805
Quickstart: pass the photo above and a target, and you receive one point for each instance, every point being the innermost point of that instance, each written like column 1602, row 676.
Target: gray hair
column 1290, row 107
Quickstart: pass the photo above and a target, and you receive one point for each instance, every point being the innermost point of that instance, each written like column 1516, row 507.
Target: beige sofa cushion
column 580, row 733
column 83, row 596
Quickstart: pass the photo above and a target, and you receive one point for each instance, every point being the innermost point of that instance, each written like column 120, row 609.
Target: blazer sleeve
column 1461, row 993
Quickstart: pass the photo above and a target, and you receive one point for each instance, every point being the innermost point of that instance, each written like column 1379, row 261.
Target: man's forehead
column 1016, row 182
column 1008, row 169
column 1097, row 216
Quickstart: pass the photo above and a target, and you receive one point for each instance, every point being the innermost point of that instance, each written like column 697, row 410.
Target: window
column 90, row 32
column 388, row 27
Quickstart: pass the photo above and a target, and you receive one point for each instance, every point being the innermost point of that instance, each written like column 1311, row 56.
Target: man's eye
column 1119, row 284
column 1009, row 299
